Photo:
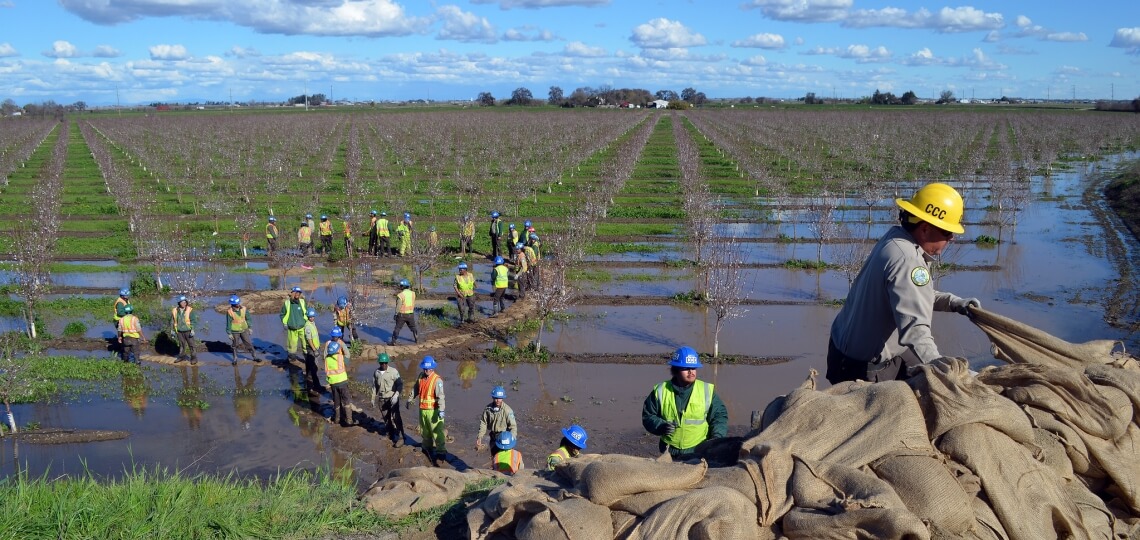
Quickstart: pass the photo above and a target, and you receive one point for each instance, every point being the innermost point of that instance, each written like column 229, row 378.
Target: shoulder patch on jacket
column 920, row 276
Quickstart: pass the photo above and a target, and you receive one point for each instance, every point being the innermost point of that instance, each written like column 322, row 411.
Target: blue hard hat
column 494, row 214
column 271, row 218
column 462, row 266
column 308, row 216
column 511, row 226
column 333, row 348
column 427, row 363
column 235, row 300
column 181, row 298
column 404, row 283
column 124, row 292
column 498, row 260
column 519, row 245
column 526, row 223
column 312, row 313
column 533, row 236
column 341, row 302
column 372, row 212
column 296, row 289
column 336, row 332
column 498, row 392
column 576, row 435
column 324, row 217
column 505, row 440
column 685, row 357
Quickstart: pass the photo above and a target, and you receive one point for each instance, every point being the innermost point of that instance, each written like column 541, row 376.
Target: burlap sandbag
column 866, row 523
column 1026, row 496
column 642, row 504
column 763, row 477
column 574, row 518
column 952, row 397
column 623, row 523
column 572, row 470
column 988, row 526
column 1072, row 442
column 1100, row 411
column 606, row 482
column 714, row 513
column 498, row 509
column 404, row 491
column 1053, row 454
column 929, row 489
column 1023, row 344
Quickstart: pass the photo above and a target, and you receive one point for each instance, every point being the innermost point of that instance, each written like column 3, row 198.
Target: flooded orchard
column 1061, row 265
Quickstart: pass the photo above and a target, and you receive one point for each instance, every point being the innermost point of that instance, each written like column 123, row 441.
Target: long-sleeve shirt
column 653, row 422
column 385, row 384
column 889, row 308
column 493, row 421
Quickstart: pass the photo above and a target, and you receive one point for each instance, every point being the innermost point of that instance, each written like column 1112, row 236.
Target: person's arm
column 482, row 428
column 375, row 388
column 717, row 418
column 284, row 311
column 651, row 418
column 512, row 425
column 913, row 307
column 439, row 395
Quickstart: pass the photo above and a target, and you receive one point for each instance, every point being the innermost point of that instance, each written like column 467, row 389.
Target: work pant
column 244, row 337
column 372, row 242
column 841, row 367
column 306, row 249
column 348, row 330
column 405, row 319
column 431, row 427
column 271, row 244
column 520, row 283
column 468, row 302
column 293, row 339
column 405, row 244
column 385, row 248
column 393, row 422
column 497, row 300
column 185, row 344
column 311, row 378
column 326, row 244
column 130, row 349
column 348, row 246
column 340, row 397
column 532, row 277
column 495, row 239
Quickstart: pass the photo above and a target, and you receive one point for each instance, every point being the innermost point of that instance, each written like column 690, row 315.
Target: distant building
column 658, row 104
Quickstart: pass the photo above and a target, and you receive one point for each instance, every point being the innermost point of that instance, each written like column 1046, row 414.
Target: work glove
column 408, row 404
column 395, row 401
column 191, row 333
column 963, row 305
column 669, row 429
column 441, row 415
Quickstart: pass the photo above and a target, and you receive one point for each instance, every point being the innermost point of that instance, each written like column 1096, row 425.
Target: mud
column 68, row 436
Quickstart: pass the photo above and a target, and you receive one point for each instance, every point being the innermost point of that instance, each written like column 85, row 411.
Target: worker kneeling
column 507, row 459
column 684, row 411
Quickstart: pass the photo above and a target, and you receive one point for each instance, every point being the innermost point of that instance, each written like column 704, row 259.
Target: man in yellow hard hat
column 883, row 329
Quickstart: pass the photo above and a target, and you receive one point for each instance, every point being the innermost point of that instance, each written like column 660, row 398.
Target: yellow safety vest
column 469, row 228
column 340, row 315
column 465, row 284
column 237, row 320
column 119, row 302
column 289, row 308
column 508, row 461
column 426, row 391
column 304, row 235
column 692, row 426
column 382, row 227
column 334, row 368
column 185, row 317
column 130, row 327
column 501, row 279
column 514, row 237
column 347, row 230
column 406, row 301
column 558, row 456
column 270, row 230
column 530, row 255
column 326, row 228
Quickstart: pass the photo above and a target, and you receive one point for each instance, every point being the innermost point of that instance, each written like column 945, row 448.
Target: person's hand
column 441, row 415
column 669, row 429
column 479, row 445
column 963, row 305
column 395, row 401
column 191, row 333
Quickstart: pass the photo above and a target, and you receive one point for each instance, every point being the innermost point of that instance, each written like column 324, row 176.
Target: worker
column 405, row 312
column 572, row 444
column 404, row 237
column 496, row 233
column 130, row 334
column 535, row 244
column 497, row 418
column 429, row 393
column 373, row 239
column 348, row 250
column 500, row 280
column 521, row 270
column 342, row 315
column 304, row 238
column 237, row 326
column 336, row 373
column 433, row 238
column 293, row 319
column 386, row 389
column 121, row 302
column 271, row 235
column 183, row 319
column 384, row 234
column 507, row 460
column 326, row 234
column 465, row 294
column 309, row 221
column 311, row 346
column 532, row 267
column 467, row 237
column 684, row 411
column 336, row 335
column 883, row 328
column 512, row 236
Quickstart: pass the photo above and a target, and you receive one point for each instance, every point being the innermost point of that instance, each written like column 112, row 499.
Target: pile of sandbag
column 1030, row 450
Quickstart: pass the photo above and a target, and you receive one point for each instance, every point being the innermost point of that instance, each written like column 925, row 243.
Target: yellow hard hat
column 937, row 204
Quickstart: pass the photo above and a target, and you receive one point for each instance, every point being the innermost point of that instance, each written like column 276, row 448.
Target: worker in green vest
column 348, row 249
column 467, row 236
column 405, row 312
column 465, row 294
column 271, row 235
column 311, row 343
column 404, row 237
column 500, row 279
column 336, row 373
column 496, row 233
column 183, row 319
column 237, row 326
column 573, row 442
column 326, row 233
column 684, row 411
column 293, row 319
column 521, row 266
column 121, row 302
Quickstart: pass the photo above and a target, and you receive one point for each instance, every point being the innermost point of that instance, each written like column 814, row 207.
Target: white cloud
column 1066, row 36
column 6, row 50
column 802, row 10
column 581, row 50
column 168, row 52
column 757, row 60
column 1127, row 38
column 663, row 33
column 528, row 33
column 859, row 53
column 464, row 26
column 1028, row 29
column 762, row 41
column 106, row 51
column 536, row 4
column 946, row 20
column 922, row 57
column 242, row 52
column 993, row 36
column 62, row 49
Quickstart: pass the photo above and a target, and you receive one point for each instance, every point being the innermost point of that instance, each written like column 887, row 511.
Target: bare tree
column 553, row 293
column 34, row 238
column 726, row 288
column 823, row 207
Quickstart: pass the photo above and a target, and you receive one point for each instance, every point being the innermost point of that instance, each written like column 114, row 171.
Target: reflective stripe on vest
column 382, row 227
column 270, row 230
column 334, row 368
column 692, row 426
column 508, row 461
column 426, row 391
column 325, row 228
column 130, row 326
column 558, row 456
column 185, row 317
column 237, row 320
column 304, row 235
column 405, row 302
column 501, row 279
column 465, row 284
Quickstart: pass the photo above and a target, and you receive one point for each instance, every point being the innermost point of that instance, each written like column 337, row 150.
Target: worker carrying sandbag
column 883, row 329
column 684, row 411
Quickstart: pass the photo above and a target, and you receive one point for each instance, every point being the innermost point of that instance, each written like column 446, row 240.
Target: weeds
column 694, row 297
column 518, row 355
column 986, row 240
column 801, row 264
column 74, row 329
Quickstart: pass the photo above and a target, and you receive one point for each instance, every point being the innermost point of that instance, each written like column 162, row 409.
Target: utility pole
column 118, row 108
column 1112, row 91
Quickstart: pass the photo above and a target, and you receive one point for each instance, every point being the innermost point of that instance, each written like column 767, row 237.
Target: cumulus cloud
column 757, row 60
column 581, row 50
column 1026, row 28
column 106, row 51
column 168, row 52
column 1066, row 36
column 761, row 41
column 528, row 33
column 859, row 53
column 922, row 57
column 993, row 36
column 464, row 26
column 1127, row 38
column 62, row 49
column 6, row 50
column 536, row 4
column 238, row 51
column 662, row 33
column 802, row 10
column 372, row 18
column 946, row 20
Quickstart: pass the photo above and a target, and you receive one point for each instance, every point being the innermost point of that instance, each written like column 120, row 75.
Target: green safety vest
column 692, row 426
column 508, row 461
column 465, row 284
column 334, row 368
column 382, row 227
column 289, row 313
column 556, row 457
column 501, row 279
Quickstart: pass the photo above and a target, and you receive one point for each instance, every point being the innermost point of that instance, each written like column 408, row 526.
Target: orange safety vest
column 304, row 235
column 185, row 316
column 326, row 228
column 341, row 316
column 129, row 325
column 347, row 230
column 237, row 320
column 508, row 461
column 406, row 302
column 426, row 391
column 335, row 371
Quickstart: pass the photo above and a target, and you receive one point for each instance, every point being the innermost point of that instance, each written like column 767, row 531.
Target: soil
column 68, row 436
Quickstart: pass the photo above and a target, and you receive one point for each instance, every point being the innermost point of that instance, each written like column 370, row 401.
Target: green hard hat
column 382, row 358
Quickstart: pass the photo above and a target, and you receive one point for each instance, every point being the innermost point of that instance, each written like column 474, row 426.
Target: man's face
column 685, row 376
column 383, row 366
column 498, row 402
column 931, row 239
column 295, row 295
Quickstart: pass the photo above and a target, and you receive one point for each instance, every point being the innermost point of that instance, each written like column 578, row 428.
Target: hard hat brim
column 955, row 228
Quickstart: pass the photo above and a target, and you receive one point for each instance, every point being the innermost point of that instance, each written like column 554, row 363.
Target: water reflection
column 135, row 391
column 245, row 396
column 190, row 397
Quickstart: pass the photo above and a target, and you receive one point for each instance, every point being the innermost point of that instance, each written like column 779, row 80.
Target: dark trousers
column 243, row 337
column 405, row 319
column 348, row 246
column 467, row 302
column 393, row 422
column 311, row 379
column 495, row 239
column 373, row 242
column 497, row 301
column 384, row 248
column 185, row 344
column 130, row 349
column 306, row 249
column 350, row 330
column 340, row 397
column 520, row 282
column 326, row 244
column 466, row 244
column 272, row 245
column 841, row 368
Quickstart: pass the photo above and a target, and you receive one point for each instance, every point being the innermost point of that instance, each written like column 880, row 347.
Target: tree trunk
column 538, row 338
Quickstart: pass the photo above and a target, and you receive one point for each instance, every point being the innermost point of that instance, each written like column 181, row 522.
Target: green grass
column 48, row 377
column 518, row 355
column 595, row 275
column 803, row 264
column 603, row 248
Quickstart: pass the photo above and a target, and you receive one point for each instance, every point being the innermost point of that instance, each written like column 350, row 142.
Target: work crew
column 386, row 389
column 342, row 315
column 237, row 326
column 512, row 236
column 404, row 237
column 271, row 235
column 465, row 294
column 348, row 251
column 684, row 411
column 293, row 319
column 496, row 233
column 572, row 444
column 429, row 393
column 336, row 335
column 499, row 280
column 336, row 373
column 121, row 303
column 304, row 238
column 507, row 460
column 467, row 236
column 183, row 319
column 326, row 233
column 373, row 239
column 883, row 328
column 521, row 270
column 130, row 334
column 405, row 312
column 311, row 345
column 384, row 234
column 497, row 418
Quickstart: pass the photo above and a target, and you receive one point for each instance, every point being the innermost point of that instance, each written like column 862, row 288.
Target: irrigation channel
column 1059, row 269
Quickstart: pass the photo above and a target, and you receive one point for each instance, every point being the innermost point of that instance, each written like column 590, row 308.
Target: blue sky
column 143, row 51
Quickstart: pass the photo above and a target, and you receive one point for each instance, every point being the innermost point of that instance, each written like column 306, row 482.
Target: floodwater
column 1057, row 273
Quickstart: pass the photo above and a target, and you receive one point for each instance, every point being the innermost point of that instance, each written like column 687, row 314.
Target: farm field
column 639, row 214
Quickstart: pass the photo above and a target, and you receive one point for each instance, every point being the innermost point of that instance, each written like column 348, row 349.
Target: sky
column 104, row 52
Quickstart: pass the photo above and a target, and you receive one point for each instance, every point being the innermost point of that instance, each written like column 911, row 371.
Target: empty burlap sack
column 714, row 513
column 539, row 510
column 929, row 489
column 504, row 500
column 1023, row 344
column 952, row 397
column 836, row 501
column 605, row 482
column 762, row 477
column 573, row 519
column 1100, row 411
column 404, row 491
column 623, row 523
